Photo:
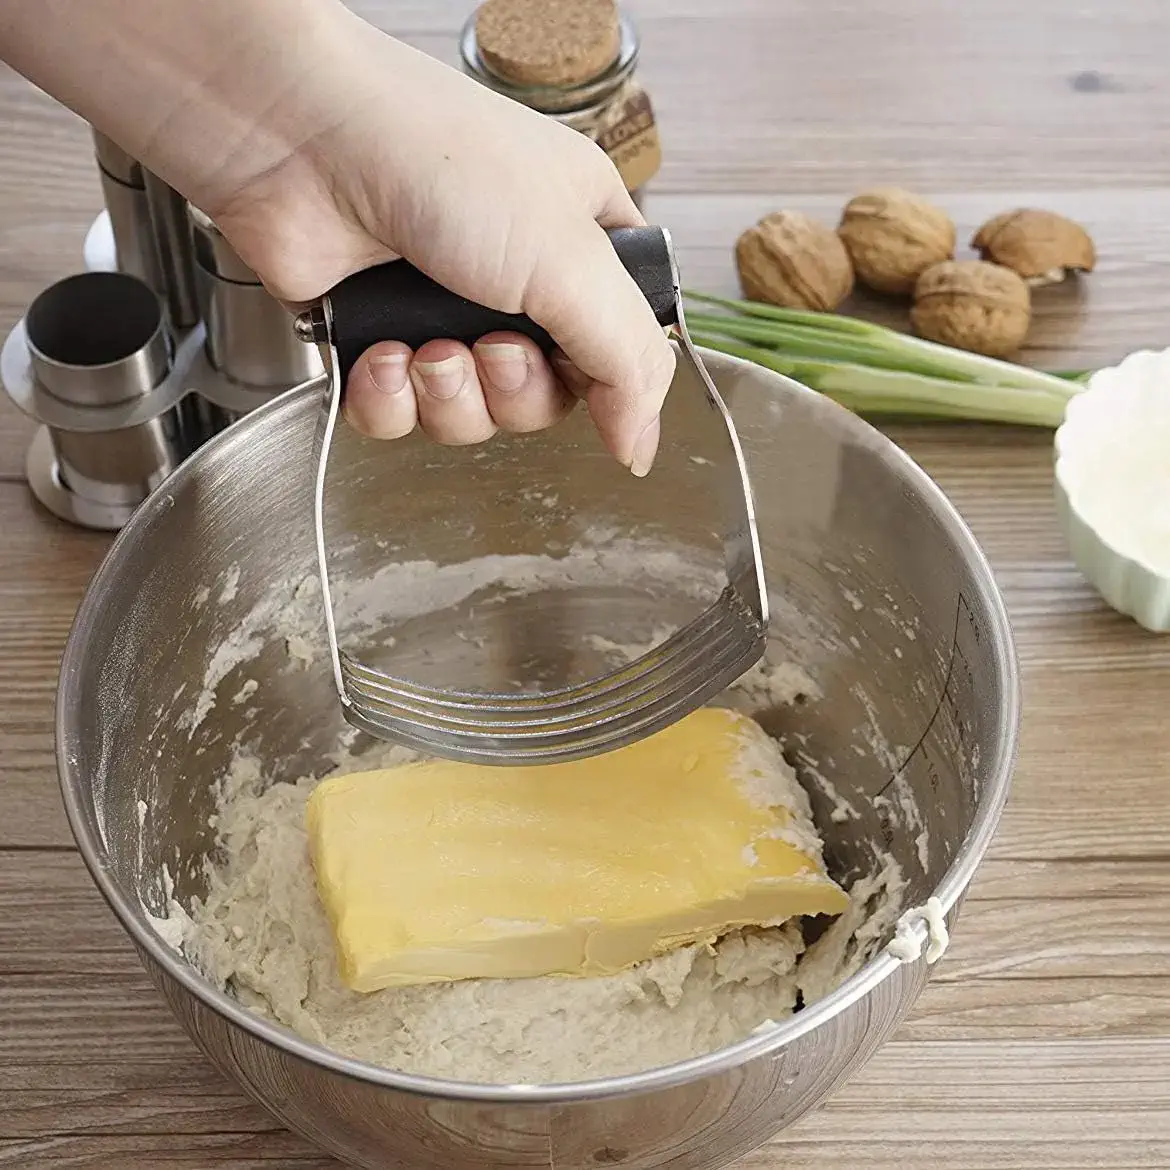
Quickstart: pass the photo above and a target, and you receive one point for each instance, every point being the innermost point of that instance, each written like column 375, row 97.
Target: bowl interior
column 539, row 560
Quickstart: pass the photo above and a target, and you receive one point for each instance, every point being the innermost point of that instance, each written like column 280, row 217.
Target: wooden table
column 1044, row 1039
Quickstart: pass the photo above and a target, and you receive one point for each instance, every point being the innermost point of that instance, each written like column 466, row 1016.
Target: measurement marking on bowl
column 958, row 674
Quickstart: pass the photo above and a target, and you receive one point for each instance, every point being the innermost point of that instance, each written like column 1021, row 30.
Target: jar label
column 629, row 135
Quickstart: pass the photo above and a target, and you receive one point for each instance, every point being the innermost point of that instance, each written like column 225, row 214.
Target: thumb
column 598, row 316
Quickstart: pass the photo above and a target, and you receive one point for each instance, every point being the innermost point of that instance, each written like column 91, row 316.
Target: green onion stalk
column 877, row 371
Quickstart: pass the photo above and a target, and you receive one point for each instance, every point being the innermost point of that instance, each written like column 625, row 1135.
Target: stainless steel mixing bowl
column 879, row 592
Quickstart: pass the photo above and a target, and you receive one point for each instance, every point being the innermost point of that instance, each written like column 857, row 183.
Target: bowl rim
column 761, row 1043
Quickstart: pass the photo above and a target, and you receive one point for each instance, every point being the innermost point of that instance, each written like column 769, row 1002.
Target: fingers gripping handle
column 396, row 302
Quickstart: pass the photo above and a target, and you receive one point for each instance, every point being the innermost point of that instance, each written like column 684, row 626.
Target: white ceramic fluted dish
column 1113, row 485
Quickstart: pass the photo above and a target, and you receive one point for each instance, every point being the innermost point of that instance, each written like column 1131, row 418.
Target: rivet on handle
column 312, row 327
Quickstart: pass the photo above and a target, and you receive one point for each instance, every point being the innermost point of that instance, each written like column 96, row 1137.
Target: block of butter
column 437, row 871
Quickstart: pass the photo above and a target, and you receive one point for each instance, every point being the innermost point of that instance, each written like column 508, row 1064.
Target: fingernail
column 645, row 449
column 506, row 365
column 388, row 372
column 441, row 379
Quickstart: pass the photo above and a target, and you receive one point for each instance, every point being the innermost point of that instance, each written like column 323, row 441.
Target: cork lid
column 548, row 42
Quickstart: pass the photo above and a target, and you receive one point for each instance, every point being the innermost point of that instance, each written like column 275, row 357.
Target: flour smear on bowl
column 261, row 933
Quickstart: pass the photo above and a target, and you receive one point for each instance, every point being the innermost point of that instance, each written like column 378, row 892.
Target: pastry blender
column 397, row 301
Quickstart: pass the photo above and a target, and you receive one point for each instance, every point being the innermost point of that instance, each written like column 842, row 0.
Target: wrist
column 253, row 110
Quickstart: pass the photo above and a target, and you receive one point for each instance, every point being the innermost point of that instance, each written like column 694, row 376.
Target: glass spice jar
column 610, row 107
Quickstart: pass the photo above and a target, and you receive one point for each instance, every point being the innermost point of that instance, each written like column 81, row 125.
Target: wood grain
column 920, row 1105
column 1042, row 1041
column 46, row 566
column 758, row 96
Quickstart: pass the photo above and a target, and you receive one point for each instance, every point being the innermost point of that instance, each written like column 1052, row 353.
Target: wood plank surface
column 1044, row 1039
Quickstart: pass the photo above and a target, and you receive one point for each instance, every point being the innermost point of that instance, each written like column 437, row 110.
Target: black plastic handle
column 396, row 302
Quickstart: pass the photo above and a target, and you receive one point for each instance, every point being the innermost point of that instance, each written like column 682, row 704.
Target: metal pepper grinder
column 92, row 361
column 130, row 366
column 149, row 232
column 250, row 352
column 131, row 246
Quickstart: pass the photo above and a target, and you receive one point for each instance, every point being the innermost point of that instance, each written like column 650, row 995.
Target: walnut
column 1040, row 245
column 893, row 236
column 972, row 305
column 791, row 260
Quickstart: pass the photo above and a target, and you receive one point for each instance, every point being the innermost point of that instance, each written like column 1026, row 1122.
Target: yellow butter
column 439, row 871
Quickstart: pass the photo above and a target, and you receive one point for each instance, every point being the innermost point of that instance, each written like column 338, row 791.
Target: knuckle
column 374, row 424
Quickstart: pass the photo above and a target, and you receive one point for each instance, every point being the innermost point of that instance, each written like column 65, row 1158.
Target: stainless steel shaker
column 92, row 362
column 124, row 191
column 249, row 342
column 129, row 367
column 148, row 220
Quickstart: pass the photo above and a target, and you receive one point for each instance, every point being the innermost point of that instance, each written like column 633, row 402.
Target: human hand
column 321, row 146
column 495, row 202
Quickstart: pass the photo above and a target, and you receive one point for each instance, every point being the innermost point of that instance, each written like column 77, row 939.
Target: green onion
column 874, row 370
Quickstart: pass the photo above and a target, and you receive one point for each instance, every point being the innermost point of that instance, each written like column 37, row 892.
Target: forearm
column 208, row 94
